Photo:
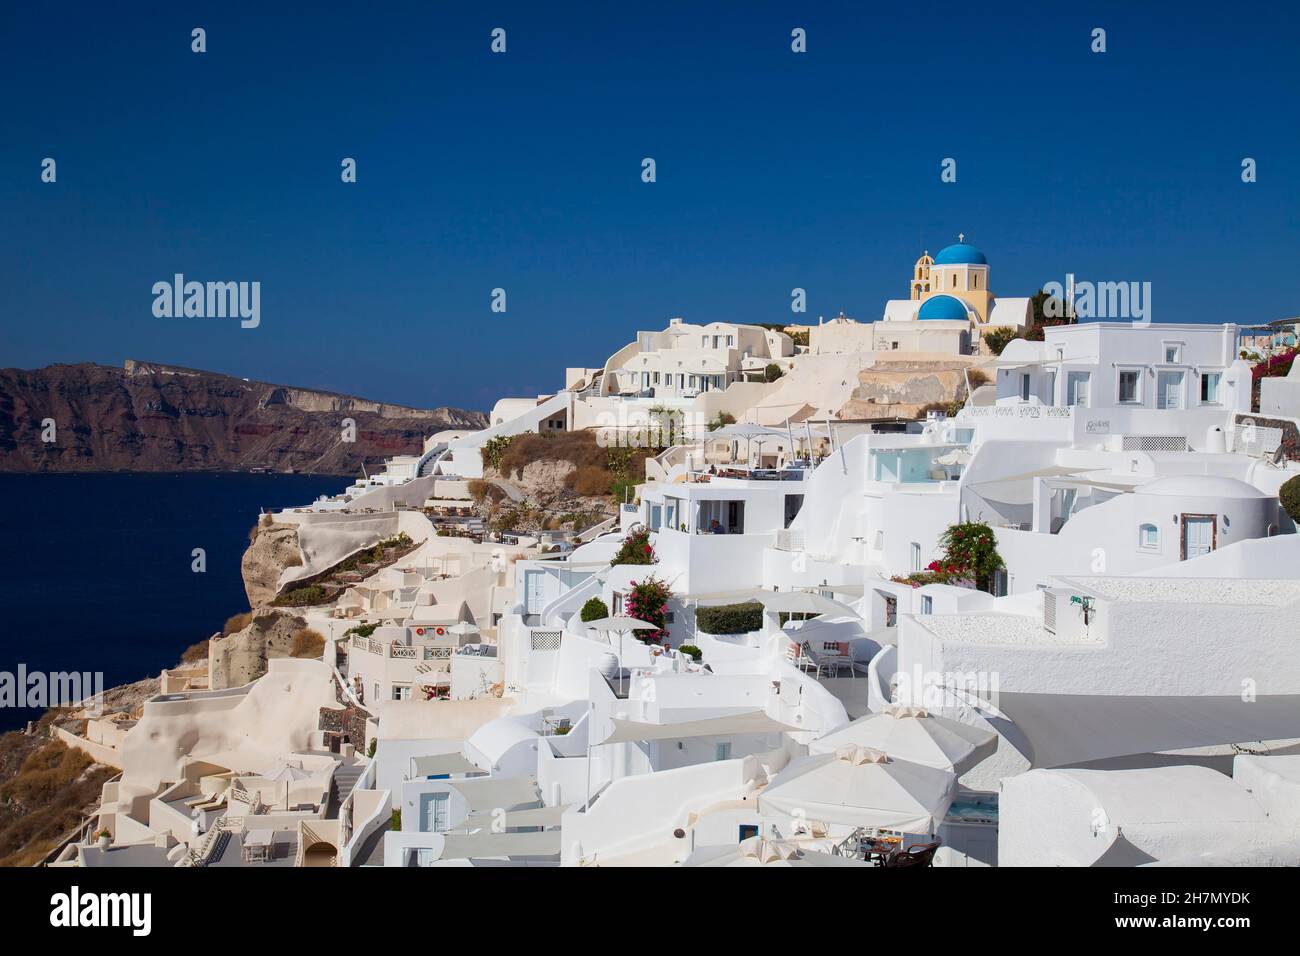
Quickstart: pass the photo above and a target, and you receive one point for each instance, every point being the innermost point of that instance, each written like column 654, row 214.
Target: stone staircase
column 345, row 779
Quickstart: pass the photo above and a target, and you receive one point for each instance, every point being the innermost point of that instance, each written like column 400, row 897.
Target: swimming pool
column 973, row 808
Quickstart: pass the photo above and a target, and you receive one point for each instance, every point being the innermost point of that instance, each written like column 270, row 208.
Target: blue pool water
column 95, row 570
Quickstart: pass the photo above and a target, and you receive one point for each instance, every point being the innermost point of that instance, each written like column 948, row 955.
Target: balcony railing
column 410, row 652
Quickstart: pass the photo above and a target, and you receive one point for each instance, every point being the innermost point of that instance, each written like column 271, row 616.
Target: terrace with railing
column 414, row 652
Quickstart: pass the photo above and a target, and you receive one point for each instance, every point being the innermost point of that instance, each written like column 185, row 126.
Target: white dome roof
column 497, row 736
column 1201, row 486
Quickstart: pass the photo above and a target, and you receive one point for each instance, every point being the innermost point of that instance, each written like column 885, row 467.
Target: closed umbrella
column 911, row 733
column 861, row 787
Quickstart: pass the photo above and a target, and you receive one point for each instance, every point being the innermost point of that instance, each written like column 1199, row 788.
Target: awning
column 1122, row 853
column 802, row 602
column 486, row 793
column 859, row 788
column 1019, row 489
column 468, row 846
column 436, row 764
column 748, row 722
column 1065, row 729
column 531, row 817
column 853, row 590
column 727, row 597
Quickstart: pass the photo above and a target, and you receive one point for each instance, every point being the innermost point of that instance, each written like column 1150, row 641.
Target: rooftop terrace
column 1246, row 592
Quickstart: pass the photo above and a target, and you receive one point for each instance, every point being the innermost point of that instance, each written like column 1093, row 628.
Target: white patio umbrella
column 286, row 774
column 802, row 602
column 748, row 431
column 911, row 733
column 757, row 851
column 463, row 629
column 620, row 625
column 860, row 787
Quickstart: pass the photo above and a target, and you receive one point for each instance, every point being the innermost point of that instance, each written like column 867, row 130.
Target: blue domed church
column 950, row 304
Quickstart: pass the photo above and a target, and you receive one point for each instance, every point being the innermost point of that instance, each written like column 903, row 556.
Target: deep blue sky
column 522, row 171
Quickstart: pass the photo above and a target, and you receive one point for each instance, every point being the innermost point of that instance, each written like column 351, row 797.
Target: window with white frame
column 927, row 604
column 1129, row 385
column 916, row 556
column 1210, row 387
column 1173, row 353
column 1077, row 387
column 1149, row 537
column 401, row 692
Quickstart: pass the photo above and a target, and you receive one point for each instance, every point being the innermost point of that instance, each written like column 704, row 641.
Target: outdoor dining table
column 874, row 848
column 257, row 845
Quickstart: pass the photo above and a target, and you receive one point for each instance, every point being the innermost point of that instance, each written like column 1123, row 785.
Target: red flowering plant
column 636, row 549
column 1277, row 364
column 647, row 600
column 970, row 558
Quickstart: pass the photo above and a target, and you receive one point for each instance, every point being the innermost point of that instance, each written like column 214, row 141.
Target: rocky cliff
column 272, row 549
column 149, row 417
column 238, row 658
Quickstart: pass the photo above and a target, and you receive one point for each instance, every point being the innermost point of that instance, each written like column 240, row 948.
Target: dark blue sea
column 95, row 570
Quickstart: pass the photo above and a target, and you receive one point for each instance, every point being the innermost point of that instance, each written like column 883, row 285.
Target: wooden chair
column 922, row 854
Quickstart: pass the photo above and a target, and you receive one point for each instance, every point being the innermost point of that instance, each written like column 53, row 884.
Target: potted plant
column 103, row 838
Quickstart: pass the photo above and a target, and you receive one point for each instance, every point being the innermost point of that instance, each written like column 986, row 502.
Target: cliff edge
column 150, row 417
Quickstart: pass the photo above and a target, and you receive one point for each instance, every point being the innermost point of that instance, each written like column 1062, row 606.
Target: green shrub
column 722, row 421
column 730, row 618
column 593, row 610
column 493, row 449
column 312, row 594
column 971, row 547
column 691, row 651
column 772, row 372
column 1289, row 495
column 996, row 339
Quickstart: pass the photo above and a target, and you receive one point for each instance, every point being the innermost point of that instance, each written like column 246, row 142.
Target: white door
column 534, row 592
column 435, row 813
column 1198, row 535
column 1170, row 392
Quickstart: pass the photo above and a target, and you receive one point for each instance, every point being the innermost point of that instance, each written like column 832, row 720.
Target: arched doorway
column 320, row 854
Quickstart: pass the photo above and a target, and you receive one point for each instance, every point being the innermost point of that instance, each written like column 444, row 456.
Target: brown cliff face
column 147, row 417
